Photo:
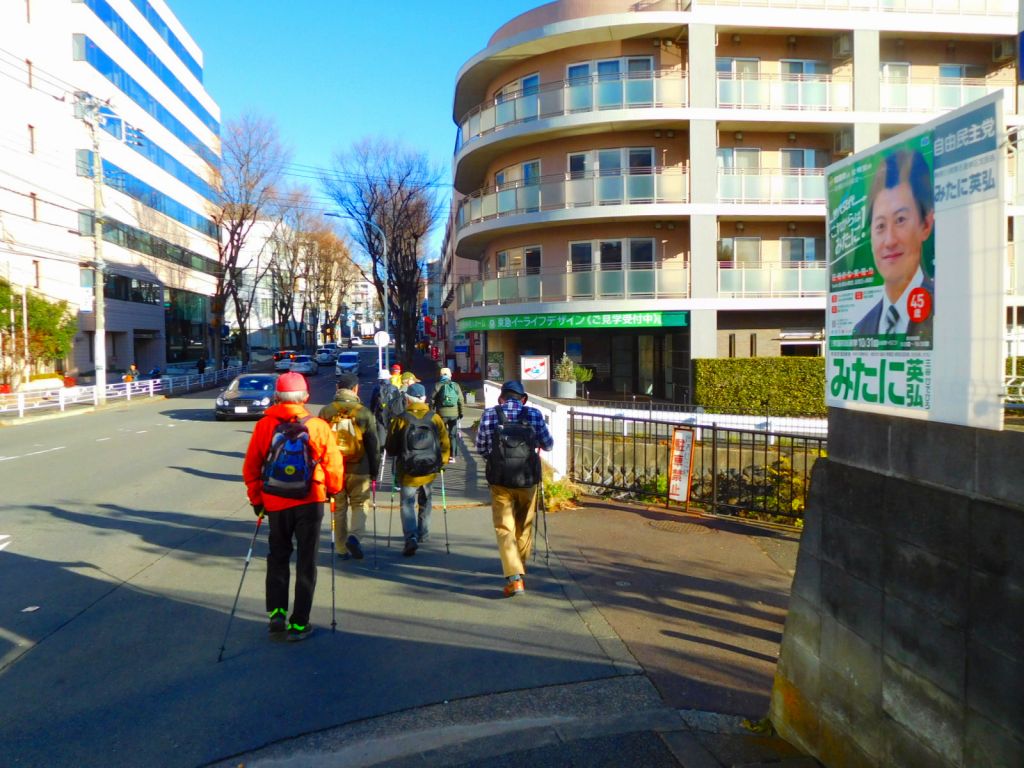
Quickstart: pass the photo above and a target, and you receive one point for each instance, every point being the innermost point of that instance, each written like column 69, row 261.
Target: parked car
column 247, row 396
column 348, row 362
column 304, row 364
column 283, row 360
column 325, row 355
column 355, row 341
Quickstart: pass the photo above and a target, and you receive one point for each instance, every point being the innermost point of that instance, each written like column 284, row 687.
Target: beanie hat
column 513, row 387
column 396, row 368
column 291, row 382
column 347, row 381
column 383, row 375
column 446, row 373
column 417, row 391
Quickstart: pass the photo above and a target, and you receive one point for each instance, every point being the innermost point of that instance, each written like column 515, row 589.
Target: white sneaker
column 451, row 459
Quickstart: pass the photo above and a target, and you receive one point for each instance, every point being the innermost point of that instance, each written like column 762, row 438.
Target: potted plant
column 583, row 375
column 563, row 384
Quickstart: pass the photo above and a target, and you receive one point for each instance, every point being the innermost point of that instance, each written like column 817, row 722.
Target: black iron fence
column 739, row 472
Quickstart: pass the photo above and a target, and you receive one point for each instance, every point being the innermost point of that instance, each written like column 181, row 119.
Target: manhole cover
column 676, row 527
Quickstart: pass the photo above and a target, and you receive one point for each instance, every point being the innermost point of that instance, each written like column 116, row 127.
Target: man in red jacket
column 298, row 518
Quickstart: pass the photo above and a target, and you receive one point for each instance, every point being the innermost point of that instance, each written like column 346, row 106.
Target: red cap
column 291, row 382
column 396, row 368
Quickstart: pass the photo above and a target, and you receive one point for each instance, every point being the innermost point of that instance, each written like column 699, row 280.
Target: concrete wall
column 906, row 624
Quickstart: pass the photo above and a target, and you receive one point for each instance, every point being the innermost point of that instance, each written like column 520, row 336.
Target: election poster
column 681, row 465
column 916, row 251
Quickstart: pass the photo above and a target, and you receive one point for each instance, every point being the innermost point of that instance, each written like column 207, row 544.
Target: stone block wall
column 904, row 643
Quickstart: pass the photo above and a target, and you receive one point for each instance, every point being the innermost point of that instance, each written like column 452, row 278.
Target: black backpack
column 513, row 461
column 421, row 446
column 288, row 468
column 390, row 404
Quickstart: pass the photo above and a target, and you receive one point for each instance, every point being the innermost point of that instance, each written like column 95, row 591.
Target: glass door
column 609, row 172
column 529, row 197
column 580, row 97
column 641, row 174
column 609, row 84
column 800, row 88
column 639, row 82
column 895, row 85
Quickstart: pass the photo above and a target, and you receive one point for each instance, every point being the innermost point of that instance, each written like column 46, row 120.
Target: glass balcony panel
column 756, row 187
column 813, row 279
column 552, row 195
column 670, row 91
column 728, row 93
column 552, row 102
column 729, row 187
column 640, row 92
column 579, row 192
column 476, row 209
column 528, row 198
column 895, row 96
column 609, row 94
column 581, row 285
column 508, row 289
column 527, row 107
column 553, row 286
column 640, row 282
column 671, row 187
column 813, row 188
column 581, row 97
column 506, row 201
column 730, row 281
column 672, row 281
column 610, row 284
column 488, row 207
column 471, row 127
column 609, row 190
column 489, row 291
column 640, row 187
column 529, row 288
column 486, row 120
column 755, row 93
column 789, row 188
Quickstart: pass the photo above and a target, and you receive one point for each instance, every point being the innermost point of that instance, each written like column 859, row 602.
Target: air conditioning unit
column 842, row 142
column 842, row 47
column 1002, row 50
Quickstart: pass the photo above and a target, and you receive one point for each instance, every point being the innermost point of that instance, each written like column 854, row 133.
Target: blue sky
column 330, row 72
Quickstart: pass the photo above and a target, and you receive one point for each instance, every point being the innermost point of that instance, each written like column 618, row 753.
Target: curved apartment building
column 641, row 183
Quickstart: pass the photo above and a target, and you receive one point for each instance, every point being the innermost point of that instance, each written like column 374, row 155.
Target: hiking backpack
column 449, row 395
column 390, row 404
column 513, row 461
column 288, row 468
column 348, row 433
column 421, row 446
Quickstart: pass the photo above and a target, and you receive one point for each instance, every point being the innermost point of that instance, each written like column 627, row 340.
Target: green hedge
column 781, row 386
column 1014, row 366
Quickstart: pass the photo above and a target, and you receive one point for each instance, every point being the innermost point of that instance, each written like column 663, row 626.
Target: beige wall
column 771, row 48
column 770, row 142
column 766, row 327
column 925, row 56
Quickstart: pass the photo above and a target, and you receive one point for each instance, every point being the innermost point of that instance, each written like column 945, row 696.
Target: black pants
column 452, row 425
column 303, row 523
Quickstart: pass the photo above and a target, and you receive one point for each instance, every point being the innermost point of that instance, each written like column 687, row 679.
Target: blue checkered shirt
column 489, row 422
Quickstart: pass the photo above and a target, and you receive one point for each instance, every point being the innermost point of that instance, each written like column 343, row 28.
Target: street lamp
column 387, row 275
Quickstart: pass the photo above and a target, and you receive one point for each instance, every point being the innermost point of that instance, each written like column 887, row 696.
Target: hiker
column 291, row 468
column 396, row 375
column 419, row 440
column 386, row 402
column 355, row 429
column 447, row 401
column 408, row 379
column 201, row 365
column 508, row 438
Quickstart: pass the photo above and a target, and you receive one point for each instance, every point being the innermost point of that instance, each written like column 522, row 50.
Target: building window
column 753, row 345
column 611, row 255
column 519, row 261
column 32, row 139
column 732, row 345
column 803, row 249
column 581, row 257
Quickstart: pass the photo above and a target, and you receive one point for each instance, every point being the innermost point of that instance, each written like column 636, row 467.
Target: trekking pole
column 391, row 511
column 373, row 486
column 380, row 478
column 334, row 553
column 248, row 557
column 544, row 518
column 444, row 507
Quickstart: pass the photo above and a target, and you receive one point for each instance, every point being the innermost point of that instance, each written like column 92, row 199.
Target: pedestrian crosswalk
column 5, row 539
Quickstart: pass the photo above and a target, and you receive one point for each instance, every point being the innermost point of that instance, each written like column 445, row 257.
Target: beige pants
column 513, row 511
column 355, row 498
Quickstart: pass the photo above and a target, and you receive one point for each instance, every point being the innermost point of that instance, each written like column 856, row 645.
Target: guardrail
column 20, row 404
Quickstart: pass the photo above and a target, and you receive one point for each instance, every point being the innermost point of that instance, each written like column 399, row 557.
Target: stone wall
column 904, row 643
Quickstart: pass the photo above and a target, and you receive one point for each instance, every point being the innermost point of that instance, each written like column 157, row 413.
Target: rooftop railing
column 576, row 96
column 771, row 280
column 563, row 191
column 795, row 92
column 650, row 281
column 771, row 185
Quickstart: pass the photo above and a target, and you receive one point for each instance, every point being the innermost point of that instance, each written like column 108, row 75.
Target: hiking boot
column 297, row 632
column 515, row 588
column 410, row 548
column 451, row 459
column 278, row 623
column 352, row 545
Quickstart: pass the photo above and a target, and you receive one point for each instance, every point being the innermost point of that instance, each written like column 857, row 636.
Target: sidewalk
column 688, row 612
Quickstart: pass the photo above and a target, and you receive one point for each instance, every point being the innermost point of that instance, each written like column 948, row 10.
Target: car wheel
column 219, row 416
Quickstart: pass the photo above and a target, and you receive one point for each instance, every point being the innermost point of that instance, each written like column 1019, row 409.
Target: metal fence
column 738, row 472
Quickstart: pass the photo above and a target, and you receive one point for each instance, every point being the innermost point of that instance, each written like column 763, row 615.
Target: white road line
column 5, row 539
column 32, row 453
column 142, row 432
column 101, row 439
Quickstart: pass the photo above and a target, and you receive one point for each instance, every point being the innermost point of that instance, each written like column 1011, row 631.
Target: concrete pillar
column 866, row 86
column 701, row 57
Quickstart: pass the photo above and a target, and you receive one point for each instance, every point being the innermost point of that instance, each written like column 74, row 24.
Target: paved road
column 127, row 530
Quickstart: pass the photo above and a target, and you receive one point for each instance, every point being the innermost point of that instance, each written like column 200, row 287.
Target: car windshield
column 349, row 357
column 252, row 384
column 302, row 358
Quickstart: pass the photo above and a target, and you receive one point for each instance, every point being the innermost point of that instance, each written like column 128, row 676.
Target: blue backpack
column 288, row 468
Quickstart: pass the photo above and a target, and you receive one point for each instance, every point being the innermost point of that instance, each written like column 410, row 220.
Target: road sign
column 381, row 338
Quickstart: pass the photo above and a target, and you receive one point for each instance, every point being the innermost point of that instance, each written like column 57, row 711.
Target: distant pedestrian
column 396, row 375
column 292, row 466
column 447, row 401
column 408, row 379
column 419, row 440
column 386, row 402
column 355, row 430
column 201, row 365
column 132, row 374
column 508, row 438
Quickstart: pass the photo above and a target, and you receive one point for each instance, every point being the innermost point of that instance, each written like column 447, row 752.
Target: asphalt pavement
column 645, row 637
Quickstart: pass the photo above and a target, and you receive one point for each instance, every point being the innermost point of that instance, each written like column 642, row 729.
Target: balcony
column 784, row 279
column 784, row 92
column 939, row 94
column 764, row 185
column 657, row 281
column 573, row 97
column 1014, row 272
column 641, row 187
column 937, row 7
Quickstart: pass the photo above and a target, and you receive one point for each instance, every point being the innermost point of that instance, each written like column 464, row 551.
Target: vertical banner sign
column 916, row 244
column 680, row 464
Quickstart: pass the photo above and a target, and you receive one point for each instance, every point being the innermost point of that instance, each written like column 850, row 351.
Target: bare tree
column 396, row 189
column 247, row 184
column 289, row 266
column 331, row 274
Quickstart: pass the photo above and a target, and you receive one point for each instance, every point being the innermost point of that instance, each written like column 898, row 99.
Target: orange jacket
column 328, row 476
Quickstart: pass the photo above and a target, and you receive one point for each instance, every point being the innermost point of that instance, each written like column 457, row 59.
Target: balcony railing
column 549, row 193
column 798, row 92
column 938, row 94
column 782, row 279
column 579, row 95
column 650, row 281
column 940, row 7
column 1014, row 272
column 763, row 185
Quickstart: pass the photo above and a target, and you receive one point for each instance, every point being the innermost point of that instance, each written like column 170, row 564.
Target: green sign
column 561, row 320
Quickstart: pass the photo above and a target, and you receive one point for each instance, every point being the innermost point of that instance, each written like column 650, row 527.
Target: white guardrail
column 20, row 404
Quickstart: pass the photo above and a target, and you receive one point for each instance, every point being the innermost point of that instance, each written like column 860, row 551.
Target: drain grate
column 673, row 526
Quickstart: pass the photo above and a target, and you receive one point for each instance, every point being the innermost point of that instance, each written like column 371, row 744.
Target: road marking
column 5, row 539
column 142, row 432
column 32, row 453
column 101, row 439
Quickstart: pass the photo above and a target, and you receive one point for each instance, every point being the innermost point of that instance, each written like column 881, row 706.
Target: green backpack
column 449, row 395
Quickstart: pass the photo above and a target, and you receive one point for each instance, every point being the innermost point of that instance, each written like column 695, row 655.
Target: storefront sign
column 539, row 322
column 534, row 368
column 916, row 251
column 681, row 464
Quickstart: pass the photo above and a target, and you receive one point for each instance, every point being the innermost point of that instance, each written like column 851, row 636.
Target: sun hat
column 291, row 382
column 383, row 375
column 409, row 377
column 446, row 373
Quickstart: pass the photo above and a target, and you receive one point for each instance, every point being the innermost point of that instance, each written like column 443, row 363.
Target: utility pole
column 24, row 330
column 90, row 112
